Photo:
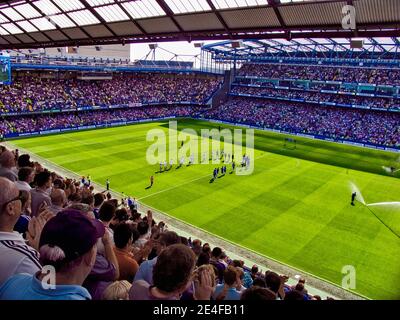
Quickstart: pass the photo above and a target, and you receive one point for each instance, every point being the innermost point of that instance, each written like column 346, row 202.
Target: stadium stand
column 321, row 98
column 322, row 73
column 31, row 92
column 380, row 128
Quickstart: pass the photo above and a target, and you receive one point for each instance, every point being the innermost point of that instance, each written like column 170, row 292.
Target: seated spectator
column 240, row 285
column 24, row 219
column 68, row 243
column 88, row 198
column 40, row 195
column 165, row 240
column 203, row 259
column 196, row 247
column 106, row 214
column 224, row 259
column 301, row 281
column 58, row 184
column 24, row 160
column 247, row 279
column 7, row 166
column 228, row 289
column 259, row 282
column 16, row 256
column 300, row 288
column 172, row 276
column 128, row 266
column 294, row 295
column 118, row 290
column 144, row 232
column 204, row 270
column 25, row 178
column 98, row 201
column 58, row 200
column 207, row 249
column 275, row 283
column 74, row 198
column 185, row 241
column 121, row 215
column 215, row 260
column 105, row 269
column 257, row 293
column 254, row 272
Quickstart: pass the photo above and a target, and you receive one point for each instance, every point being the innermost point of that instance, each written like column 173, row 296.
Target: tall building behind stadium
column 260, row 162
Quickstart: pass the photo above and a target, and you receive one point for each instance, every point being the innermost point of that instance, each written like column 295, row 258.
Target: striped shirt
column 16, row 256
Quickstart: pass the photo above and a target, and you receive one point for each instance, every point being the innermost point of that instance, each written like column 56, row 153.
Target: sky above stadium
column 182, row 48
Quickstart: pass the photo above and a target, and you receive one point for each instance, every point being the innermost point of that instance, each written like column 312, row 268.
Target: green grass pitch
column 294, row 208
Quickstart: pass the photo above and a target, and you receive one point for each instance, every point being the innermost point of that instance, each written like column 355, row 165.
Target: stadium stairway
column 314, row 285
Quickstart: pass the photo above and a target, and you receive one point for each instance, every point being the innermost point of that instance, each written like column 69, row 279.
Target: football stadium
column 262, row 165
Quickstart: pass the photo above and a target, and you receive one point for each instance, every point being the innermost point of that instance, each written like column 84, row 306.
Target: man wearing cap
column 68, row 247
column 16, row 256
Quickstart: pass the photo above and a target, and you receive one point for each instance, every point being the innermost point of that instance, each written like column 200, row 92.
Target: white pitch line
column 174, row 187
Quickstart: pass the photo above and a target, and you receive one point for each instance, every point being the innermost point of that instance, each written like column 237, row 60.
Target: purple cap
column 73, row 232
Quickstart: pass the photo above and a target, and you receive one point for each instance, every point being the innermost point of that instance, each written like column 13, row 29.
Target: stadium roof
column 52, row 23
column 263, row 46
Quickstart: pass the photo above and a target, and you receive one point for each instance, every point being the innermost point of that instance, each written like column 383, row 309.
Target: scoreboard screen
column 5, row 70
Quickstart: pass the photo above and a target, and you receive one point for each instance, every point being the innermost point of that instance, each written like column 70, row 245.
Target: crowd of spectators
column 30, row 94
column 24, row 124
column 60, row 239
column 322, row 73
column 318, row 86
column 366, row 126
column 382, row 103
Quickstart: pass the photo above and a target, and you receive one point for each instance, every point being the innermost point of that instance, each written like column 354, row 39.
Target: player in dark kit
column 353, row 198
column 151, row 181
column 108, row 184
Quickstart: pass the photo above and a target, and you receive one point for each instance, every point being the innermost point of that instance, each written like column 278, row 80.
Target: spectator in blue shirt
column 227, row 290
column 165, row 240
column 68, row 246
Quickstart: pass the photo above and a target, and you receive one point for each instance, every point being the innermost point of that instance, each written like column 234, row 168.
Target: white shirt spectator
column 16, row 256
column 139, row 243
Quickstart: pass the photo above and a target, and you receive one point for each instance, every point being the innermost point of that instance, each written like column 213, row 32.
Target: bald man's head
column 7, row 159
column 58, row 197
column 10, row 205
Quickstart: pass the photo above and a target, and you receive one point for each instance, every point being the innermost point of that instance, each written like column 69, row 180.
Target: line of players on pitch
column 225, row 157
